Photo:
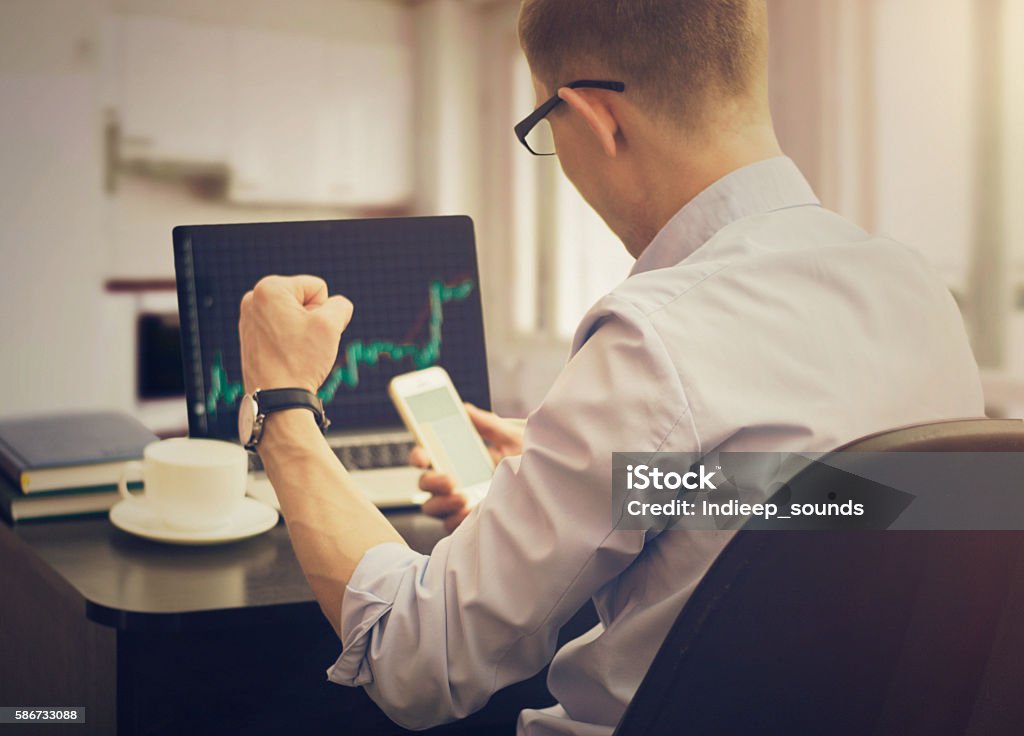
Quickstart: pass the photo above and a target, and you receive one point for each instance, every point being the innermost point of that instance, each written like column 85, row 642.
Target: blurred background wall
column 122, row 118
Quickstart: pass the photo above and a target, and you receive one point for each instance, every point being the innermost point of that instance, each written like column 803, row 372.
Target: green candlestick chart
column 358, row 352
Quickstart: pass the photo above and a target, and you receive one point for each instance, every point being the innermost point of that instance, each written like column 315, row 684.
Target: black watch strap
column 272, row 400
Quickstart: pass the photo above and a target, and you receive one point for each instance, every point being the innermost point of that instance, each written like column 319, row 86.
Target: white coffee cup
column 191, row 484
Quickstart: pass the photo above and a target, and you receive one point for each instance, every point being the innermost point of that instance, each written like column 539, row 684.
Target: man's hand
column 503, row 438
column 290, row 331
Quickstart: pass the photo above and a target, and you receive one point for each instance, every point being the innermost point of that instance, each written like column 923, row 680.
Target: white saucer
column 135, row 517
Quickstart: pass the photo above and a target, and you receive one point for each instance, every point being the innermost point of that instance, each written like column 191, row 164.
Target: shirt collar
column 765, row 186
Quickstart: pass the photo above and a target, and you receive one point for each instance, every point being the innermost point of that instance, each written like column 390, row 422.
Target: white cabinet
column 276, row 108
column 319, row 122
column 369, row 91
column 172, row 89
column 295, row 119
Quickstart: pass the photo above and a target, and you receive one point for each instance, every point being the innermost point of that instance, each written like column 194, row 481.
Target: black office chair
column 857, row 632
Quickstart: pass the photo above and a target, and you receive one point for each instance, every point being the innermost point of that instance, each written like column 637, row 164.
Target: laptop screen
column 413, row 281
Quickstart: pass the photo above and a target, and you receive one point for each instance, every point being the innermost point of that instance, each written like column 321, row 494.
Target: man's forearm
column 331, row 523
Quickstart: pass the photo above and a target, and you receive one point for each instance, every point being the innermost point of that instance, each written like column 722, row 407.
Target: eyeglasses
column 534, row 131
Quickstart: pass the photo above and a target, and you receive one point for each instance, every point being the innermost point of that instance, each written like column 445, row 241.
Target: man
column 753, row 320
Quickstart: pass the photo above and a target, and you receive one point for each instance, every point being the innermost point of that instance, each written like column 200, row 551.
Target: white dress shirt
column 755, row 320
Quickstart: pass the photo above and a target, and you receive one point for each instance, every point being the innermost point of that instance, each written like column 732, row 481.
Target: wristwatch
column 253, row 411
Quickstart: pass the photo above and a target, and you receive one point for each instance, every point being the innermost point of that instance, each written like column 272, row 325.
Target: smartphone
column 434, row 413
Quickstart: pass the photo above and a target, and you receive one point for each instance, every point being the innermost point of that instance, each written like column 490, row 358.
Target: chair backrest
column 960, row 435
column 855, row 632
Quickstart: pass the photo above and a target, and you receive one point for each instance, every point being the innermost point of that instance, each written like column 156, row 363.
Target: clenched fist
column 290, row 329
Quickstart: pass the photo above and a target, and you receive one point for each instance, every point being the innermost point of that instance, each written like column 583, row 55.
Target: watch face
column 246, row 418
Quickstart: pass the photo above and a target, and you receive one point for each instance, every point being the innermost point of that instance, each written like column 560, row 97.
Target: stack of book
column 65, row 465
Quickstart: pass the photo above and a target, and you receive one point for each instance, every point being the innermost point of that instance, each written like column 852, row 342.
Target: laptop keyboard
column 386, row 454
column 380, row 455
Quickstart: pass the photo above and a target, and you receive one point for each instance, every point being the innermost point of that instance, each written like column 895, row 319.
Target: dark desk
column 157, row 639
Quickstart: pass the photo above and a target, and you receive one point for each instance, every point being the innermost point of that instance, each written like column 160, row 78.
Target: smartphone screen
column 448, row 433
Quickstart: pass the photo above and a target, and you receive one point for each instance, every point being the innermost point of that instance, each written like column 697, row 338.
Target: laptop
column 415, row 286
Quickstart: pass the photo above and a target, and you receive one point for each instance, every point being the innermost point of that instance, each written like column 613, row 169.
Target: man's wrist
column 289, row 431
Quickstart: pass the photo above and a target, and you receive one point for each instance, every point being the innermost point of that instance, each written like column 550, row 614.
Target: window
column 907, row 118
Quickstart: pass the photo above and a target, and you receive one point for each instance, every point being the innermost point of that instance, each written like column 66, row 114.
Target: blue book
column 70, row 451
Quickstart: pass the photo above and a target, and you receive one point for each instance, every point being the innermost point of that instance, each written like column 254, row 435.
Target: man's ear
column 600, row 119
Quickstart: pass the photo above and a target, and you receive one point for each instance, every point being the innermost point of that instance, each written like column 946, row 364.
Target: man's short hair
column 674, row 56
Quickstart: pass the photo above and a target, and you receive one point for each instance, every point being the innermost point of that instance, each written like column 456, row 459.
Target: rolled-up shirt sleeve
column 369, row 596
column 431, row 638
